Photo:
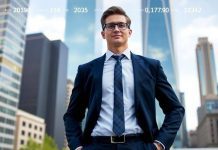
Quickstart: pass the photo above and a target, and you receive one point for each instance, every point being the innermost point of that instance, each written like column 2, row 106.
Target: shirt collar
column 126, row 53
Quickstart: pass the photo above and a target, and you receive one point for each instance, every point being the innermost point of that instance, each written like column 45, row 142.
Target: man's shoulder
column 146, row 59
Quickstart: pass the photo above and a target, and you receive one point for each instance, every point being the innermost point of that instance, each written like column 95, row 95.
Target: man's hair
column 114, row 10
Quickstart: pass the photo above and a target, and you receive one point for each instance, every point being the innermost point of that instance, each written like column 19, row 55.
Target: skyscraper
column 12, row 43
column 43, row 90
column 184, row 135
column 208, row 111
column 158, row 43
column 79, row 33
column 206, row 69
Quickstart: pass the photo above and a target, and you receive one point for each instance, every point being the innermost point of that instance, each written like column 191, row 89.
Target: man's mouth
column 117, row 36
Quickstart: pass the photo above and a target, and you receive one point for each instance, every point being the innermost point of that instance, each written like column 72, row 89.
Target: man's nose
column 116, row 28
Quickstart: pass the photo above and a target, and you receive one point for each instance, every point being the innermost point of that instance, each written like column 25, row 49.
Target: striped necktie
column 118, row 112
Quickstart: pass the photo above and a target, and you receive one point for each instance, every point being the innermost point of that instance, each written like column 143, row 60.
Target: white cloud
column 183, row 3
column 79, row 39
column 52, row 27
column 158, row 53
column 91, row 28
column 135, row 47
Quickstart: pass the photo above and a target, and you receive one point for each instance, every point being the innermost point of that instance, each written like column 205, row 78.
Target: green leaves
column 48, row 144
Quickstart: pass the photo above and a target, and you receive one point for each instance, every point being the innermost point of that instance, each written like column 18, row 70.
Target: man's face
column 118, row 36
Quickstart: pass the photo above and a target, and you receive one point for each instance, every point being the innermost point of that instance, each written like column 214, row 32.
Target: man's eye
column 111, row 25
column 121, row 25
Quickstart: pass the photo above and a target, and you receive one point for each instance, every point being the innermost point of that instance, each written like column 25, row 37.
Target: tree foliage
column 48, row 144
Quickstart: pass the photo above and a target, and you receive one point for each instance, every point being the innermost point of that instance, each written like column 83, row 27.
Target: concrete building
column 12, row 43
column 69, row 91
column 207, row 130
column 28, row 126
column 43, row 90
column 192, row 136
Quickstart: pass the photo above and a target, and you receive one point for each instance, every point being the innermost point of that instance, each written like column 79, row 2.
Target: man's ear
column 130, row 32
column 103, row 34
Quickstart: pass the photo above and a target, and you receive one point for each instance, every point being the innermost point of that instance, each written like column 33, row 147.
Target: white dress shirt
column 105, row 121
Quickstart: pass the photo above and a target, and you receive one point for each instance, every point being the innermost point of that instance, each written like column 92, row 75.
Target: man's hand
column 158, row 146
column 79, row 148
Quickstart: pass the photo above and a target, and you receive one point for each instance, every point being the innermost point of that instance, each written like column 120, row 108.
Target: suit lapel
column 94, row 109
column 136, row 61
column 136, row 78
column 98, row 71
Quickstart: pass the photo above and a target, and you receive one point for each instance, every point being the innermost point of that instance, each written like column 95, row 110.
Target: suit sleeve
column 171, row 107
column 75, row 113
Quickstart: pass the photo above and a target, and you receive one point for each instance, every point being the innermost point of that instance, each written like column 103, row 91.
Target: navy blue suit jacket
column 150, row 82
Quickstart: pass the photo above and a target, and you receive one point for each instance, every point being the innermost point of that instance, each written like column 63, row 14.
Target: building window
column 40, row 129
column 24, row 123
column 30, row 125
column 22, row 142
column 29, row 134
column 35, row 127
column 1, row 129
column 35, row 136
column 23, row 132
column 40, row 137
column 213, row 140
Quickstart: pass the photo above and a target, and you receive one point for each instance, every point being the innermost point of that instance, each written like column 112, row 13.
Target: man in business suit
column 119, row 90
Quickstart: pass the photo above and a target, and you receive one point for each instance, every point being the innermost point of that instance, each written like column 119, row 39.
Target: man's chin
column 117, row 43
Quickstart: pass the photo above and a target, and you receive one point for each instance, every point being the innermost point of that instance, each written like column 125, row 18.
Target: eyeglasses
column 112, row 26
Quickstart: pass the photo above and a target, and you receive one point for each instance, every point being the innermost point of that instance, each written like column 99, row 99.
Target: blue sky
column 49, row 17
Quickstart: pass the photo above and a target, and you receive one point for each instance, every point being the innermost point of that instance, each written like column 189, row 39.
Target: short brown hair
column 114, row 10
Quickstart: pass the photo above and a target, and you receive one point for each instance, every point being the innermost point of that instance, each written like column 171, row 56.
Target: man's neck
column 117, row 50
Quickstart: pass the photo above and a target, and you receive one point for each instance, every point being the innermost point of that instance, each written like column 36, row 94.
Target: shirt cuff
column 78, row 147
column 160, row 144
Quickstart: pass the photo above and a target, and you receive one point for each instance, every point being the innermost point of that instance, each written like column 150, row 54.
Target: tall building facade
column 206, row 69
column 43, row 90
column 157, row 35
column 12, row 43
column 80, row 18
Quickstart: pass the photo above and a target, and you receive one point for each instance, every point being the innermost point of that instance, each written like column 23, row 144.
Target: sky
column 191, row 20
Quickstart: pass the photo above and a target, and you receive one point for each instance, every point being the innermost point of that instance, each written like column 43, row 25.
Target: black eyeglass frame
column 116, row 24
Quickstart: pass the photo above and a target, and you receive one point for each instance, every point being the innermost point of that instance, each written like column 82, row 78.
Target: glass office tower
column 79, row 33
column 12, row 44
column 158, row 43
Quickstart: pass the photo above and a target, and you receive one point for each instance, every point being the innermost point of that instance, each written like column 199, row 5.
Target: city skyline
column 188, row 26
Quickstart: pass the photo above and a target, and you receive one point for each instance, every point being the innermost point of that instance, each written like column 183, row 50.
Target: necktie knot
column 118, row 57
